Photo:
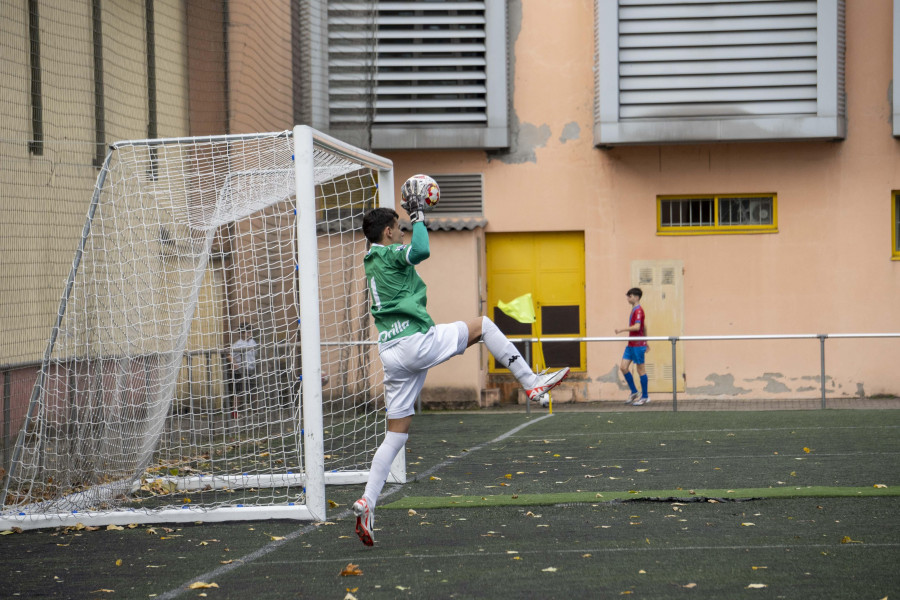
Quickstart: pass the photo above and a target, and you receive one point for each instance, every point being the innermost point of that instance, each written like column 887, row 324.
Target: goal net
column 211, row 358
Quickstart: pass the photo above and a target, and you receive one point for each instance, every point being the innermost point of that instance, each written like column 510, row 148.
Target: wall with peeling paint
column 827, row 269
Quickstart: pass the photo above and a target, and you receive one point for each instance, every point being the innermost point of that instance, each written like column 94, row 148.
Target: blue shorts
column 635, row 354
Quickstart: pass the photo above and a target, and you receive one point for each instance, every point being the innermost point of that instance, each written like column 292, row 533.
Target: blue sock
column 643, row 386
column 629, row 379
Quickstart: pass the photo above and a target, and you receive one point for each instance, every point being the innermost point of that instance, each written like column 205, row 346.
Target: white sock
column 506, row 354
column 381, row 465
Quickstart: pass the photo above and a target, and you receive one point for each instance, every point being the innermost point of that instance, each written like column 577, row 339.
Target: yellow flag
column 521, row 309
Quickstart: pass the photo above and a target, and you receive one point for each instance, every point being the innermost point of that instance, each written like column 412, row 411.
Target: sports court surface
column 579, row 504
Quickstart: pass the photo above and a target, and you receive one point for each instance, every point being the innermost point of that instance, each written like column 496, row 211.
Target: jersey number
column 375, row 299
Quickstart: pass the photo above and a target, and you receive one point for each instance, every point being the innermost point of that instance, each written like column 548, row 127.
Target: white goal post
column 212, row 357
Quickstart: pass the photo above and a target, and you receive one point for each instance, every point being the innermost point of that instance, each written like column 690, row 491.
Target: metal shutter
column 715, row 59
column 429, row 63
column 461, row 194
column 714, row 70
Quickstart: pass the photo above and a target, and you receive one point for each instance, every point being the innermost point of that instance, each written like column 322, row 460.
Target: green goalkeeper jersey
column 397, row 293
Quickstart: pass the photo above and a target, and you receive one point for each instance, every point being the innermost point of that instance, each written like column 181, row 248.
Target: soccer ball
column 423, row 187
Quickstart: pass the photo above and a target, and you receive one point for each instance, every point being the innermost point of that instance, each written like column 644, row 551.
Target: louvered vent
column 716, row 59
column 429, row 65
column 668, row 276
column 461, row 195
column 682, row 71
column 646, row 277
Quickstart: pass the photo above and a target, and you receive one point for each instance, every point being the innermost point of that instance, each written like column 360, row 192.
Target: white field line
column 736, row 430
column 275, row 545
column 554, row 549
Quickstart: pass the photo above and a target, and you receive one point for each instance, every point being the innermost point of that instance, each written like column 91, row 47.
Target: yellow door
column 662, row 282
column 550, row 266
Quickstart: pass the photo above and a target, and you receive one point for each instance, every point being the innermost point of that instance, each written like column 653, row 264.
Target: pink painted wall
column 828, row 269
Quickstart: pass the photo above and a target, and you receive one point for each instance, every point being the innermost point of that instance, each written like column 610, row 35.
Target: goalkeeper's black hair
column 376, row 220
column 635, row 292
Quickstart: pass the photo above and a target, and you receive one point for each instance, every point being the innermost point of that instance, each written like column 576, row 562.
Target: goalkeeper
column 409, row 342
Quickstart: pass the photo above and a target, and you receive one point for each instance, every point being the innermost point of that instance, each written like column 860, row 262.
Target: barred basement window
column 691, row 215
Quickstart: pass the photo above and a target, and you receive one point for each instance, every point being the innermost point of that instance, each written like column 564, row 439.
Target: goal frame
column 314, row 478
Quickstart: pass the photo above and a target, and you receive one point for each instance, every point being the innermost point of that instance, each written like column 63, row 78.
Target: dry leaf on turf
column 879, row 485
column 846, row 540
column 199, row 585
column 689, row 586
column 351, row 570
column 756, row 586
column 549, row 570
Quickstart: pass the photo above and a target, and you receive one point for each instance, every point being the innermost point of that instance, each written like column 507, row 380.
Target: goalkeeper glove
column 414, row 207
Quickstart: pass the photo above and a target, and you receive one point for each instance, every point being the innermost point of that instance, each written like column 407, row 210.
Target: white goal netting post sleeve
column 214, row 278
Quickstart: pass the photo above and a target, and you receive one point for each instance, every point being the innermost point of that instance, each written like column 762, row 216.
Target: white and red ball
column 422, row 187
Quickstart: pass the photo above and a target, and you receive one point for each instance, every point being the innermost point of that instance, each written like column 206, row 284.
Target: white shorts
column 406, row 363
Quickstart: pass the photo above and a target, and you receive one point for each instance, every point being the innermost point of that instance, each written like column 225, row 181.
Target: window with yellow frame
column 732, row 213
column 895, row 226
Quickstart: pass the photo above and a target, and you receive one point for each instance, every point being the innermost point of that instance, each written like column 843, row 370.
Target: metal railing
column 822, row 337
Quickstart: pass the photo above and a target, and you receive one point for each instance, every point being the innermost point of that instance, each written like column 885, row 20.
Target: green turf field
column 587, row 504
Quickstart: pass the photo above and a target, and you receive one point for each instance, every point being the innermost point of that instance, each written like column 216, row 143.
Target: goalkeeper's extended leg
column 536, row 385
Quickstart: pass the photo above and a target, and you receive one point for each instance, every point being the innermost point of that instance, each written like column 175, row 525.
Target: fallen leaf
column 113, row 528
column 747, row 524
column 807, row 450
column 756, row 586
column 433, row 478
column 846, row 540
column 104, row 591
column 119, row 562
column 401, row 588
column 333, row 504
column 413, row 513
column 199, row 585
column 549, row 570
column 349, row 596
column 879, row 485
column 756, row 568
column 350, row 570
column 689, row 586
